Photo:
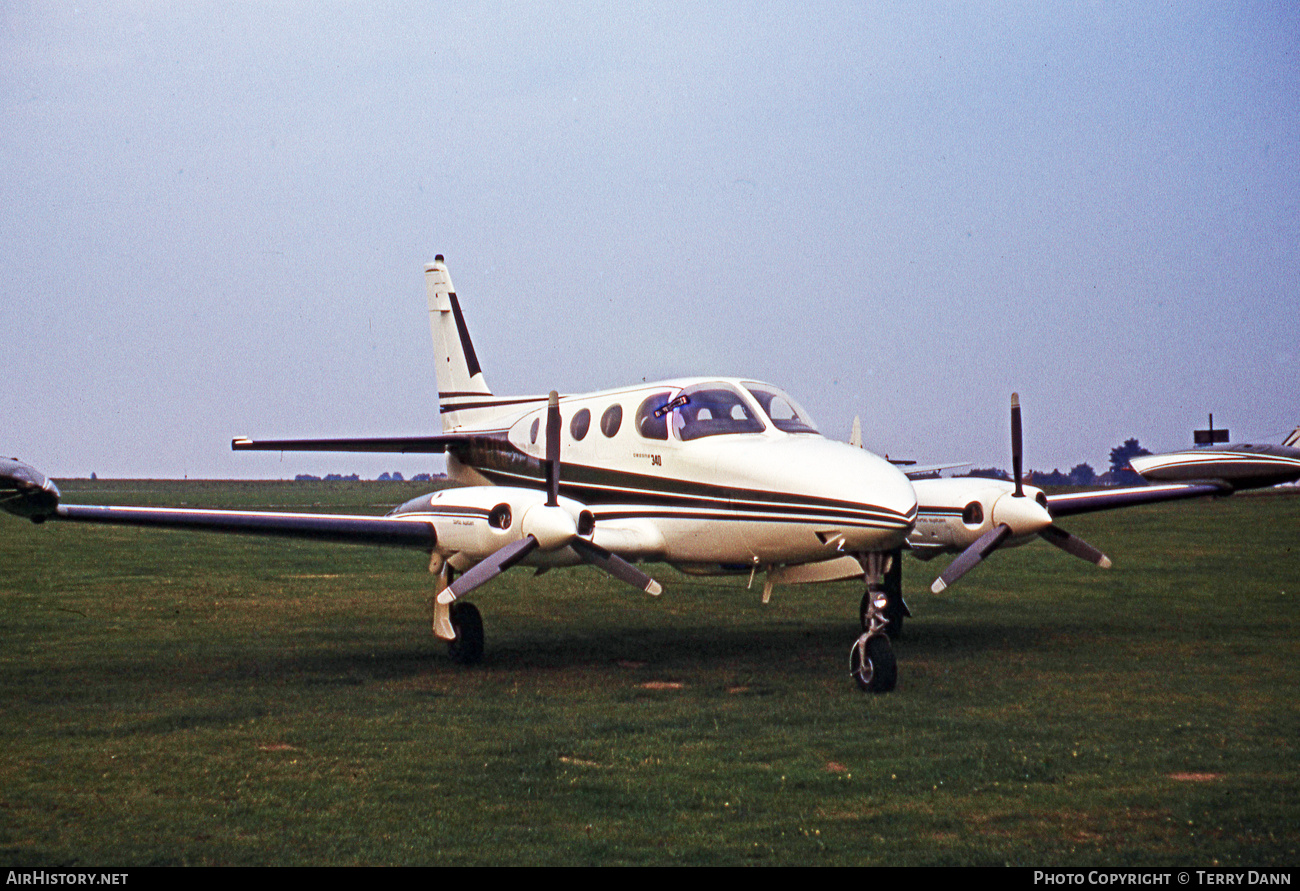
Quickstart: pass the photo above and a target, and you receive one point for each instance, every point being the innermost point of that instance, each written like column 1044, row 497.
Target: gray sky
column 213, row 219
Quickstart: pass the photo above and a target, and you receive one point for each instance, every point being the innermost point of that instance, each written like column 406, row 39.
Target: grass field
column 182, row 698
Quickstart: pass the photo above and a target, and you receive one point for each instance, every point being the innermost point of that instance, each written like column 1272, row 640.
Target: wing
column 1069, row 504
column 321, row 527
column 976, row 518
column 483, row 529
column 26, row 492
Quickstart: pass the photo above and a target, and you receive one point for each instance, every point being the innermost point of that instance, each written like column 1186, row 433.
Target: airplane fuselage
column 712, row 482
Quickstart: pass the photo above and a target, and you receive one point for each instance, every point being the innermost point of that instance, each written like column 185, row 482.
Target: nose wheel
column 872, row 664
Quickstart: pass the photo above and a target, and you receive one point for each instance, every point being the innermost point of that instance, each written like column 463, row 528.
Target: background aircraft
column 710, row 475
column 1241, row 465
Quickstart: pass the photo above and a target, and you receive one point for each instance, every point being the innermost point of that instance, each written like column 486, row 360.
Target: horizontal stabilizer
column 447, row 442
column 918, row 471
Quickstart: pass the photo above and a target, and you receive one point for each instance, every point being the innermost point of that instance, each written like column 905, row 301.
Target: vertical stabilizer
column 460, row 380
column 1294, row 439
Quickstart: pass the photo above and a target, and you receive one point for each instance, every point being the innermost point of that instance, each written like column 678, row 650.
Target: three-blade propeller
column 549, row 527
column 1017, row 516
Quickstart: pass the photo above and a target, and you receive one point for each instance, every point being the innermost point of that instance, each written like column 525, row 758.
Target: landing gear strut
column 895, row 609
column 459, row 624
column 871, row 659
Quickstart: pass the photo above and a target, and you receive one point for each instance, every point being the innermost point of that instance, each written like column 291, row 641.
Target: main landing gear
column 871, row 659
column 460, row 624
column 467, row 648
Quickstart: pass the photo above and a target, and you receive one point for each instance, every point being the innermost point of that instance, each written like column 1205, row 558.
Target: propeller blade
column 615, row 566
column 488, row 569
column 1017, row 445
column 971, row 557
column 1074, row 545
column 553, row 449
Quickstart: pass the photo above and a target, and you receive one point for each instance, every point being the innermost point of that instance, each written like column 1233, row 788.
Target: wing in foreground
column 321, row 527
column 26, row 492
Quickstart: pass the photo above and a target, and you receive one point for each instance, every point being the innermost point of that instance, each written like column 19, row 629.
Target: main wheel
column 872, row 664
column 467, row 648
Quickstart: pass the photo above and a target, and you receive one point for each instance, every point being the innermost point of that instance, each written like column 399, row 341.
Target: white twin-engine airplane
column 711, row 475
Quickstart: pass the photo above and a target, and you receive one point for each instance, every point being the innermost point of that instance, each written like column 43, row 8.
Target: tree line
column 1119, row 473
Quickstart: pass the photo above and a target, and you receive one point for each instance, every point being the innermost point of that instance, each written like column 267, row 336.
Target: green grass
column 177, row 698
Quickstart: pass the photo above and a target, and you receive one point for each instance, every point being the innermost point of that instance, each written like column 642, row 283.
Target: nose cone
column 876, row 484
column 844, row 487
column 553, row 527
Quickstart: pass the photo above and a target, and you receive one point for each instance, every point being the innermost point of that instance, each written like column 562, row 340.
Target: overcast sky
column 213, row 219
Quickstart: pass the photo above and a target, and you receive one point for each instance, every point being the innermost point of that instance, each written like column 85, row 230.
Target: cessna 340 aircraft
column 710, row 475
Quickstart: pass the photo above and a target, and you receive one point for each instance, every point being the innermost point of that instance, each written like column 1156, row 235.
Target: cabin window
column 784, row 412
column 712, row 410
column 532, row 433
column 580, row 423
column 647, row 424
column 611, row 420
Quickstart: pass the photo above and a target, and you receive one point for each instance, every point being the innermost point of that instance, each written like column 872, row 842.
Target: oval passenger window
column 580, row 424
column 611, row 420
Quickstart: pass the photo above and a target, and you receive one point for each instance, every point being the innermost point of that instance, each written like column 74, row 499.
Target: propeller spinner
column 1014, row 516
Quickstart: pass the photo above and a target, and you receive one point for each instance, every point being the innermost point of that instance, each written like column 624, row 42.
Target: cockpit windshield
column 785, row 413
column 710, row 410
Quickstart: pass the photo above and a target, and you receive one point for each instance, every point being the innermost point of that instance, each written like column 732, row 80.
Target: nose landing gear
column 871, row 659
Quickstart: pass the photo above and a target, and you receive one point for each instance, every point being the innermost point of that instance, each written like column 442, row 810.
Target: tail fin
column 464, row 399
column 1294, row 439
column 460, row 380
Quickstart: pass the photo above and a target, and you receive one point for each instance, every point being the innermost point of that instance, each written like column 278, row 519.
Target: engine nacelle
column 474, row 522
column 953, row 513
